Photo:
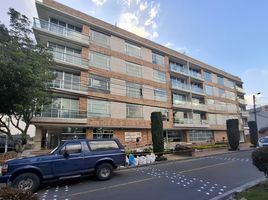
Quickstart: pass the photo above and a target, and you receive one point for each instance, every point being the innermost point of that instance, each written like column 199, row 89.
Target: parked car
column 71, row 159
column 263, row 141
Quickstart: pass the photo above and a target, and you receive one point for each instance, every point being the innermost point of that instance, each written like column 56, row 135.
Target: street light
column 254, row 105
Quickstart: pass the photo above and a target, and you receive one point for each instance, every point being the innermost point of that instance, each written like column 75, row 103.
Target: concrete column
column 38, row 138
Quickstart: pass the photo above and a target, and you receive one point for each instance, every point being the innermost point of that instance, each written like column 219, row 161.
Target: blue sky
column 229, row 34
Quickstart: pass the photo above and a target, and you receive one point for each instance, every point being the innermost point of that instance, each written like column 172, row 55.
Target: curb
column 239, row 189
column 180, row 160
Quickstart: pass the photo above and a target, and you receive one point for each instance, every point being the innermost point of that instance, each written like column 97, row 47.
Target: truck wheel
column 27, row 181
column 104, row 171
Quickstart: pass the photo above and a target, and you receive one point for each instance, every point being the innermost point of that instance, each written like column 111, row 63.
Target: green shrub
column 9, row 193
column 253, row 132
column 233, row 133
column 210, row 146
column 260, row 159
column 157, row 133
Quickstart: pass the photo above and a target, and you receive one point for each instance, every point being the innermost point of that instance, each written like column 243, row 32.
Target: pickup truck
column 71, row 159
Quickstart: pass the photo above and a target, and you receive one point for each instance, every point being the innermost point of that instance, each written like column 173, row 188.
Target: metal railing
column 241, row 101
column 178, row 69
column 62, row 113
column 197, row 89
column 199, row 105
column 180, row 86
column 190, row 121
column 67, row 85
column 178, row 102
column 195, row 75
column 60, row 30
column 68, row 58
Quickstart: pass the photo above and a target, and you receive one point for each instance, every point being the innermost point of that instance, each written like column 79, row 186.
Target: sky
column 227, row 34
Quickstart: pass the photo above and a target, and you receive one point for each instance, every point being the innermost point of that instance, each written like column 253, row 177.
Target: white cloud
column 127, row 2
column 154, row 35
column 99, row 2
column 168, row 44
column 183, row 50
column 154, row 10
column 143, row 6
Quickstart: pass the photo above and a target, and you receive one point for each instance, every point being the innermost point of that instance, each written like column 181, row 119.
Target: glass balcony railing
column 75, row 59
column 239, row 89
column 197, row 89
column 179, row 69
column 60, row 30
column 190, row 121
column 179, row 102
column 199, row 106
column 62, row 113
column 195, row 74
column 241, row 101
column 180, row 86
column 67, row 85
column 244, row 113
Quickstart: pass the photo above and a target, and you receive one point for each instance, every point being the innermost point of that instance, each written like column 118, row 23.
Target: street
column 195, row 179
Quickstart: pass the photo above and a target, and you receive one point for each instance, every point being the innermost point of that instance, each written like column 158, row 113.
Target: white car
column 263, row 141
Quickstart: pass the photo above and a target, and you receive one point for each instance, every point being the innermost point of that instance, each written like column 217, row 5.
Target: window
column 100, row 38
column 102, row 145
column 179, row 99
column 221, row 92
column 207, row 76
column 63, row 24
column 100, row 60
column 134, row 90
column 159, row 76
column 209, row 90
column 134, row 111
column 133, row 50
column 99, row 83
column 230, row 95
column 230, row 83
column 220, row 80
column 71, row 148
column 100, row 133
column 164, row 112
column 133, row 69
column 66, row 80
column 160, row 95
column 201, row 136
column 158, row 59
column 97, row 108
column 62, row 108
column 179, row 83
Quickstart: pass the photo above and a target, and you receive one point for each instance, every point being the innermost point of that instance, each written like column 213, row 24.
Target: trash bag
column 131, row 160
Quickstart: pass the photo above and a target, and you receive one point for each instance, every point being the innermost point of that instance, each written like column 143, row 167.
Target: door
column 71, row 162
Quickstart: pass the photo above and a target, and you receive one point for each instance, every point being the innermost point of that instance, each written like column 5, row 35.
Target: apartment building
column 110, row 80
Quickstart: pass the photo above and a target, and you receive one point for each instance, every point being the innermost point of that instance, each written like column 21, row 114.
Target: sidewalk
column 209, row 152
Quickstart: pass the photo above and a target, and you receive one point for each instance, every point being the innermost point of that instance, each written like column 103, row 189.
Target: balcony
column 179, row 69
column 244, row 114
column 181, row 86
column 68, row 59
column 197, row 90
column 60, row 31
column 196, row 75
column 60, row 116
column 187, row 122
column 199, row 106
column 68, row 86
column 182, row 104
column 239, row 89
column 241, row 101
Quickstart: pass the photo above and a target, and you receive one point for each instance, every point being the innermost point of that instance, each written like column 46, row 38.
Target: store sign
column 132, row 136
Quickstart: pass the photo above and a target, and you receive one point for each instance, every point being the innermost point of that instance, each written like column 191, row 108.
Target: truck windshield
column 51, row 152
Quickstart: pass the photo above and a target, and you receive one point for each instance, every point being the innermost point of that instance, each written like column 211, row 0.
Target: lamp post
column 254, row 106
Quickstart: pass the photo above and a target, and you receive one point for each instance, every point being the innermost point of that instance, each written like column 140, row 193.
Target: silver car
column 263, row 141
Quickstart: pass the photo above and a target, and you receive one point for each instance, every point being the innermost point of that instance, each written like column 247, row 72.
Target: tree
column 253, row 132
column 233, row 133
column 157, row 133
column 24, row 74
column 260, row 159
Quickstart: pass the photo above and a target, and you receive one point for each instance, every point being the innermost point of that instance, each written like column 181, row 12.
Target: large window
column 209, row 90
column 220, row 80
column 133, row 69
column 66, row 80
column 179, row 99
column 63, row 25
column 97, row 108
column 99, row 83
column 230, row 83
column 201, row 136
column 102, row 145
column 221, row 92
column 160, row 95
column 207, row 76
column 133, row 50
column 165, row 116
column 134, row 111
column 100, row 38
column 100, row 60
column 159, row 76
column 72, row 148
column 158, row 59
column 134, row 90
column 62, row 108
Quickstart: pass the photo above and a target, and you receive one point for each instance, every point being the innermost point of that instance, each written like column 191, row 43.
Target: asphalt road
column 195, row 179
